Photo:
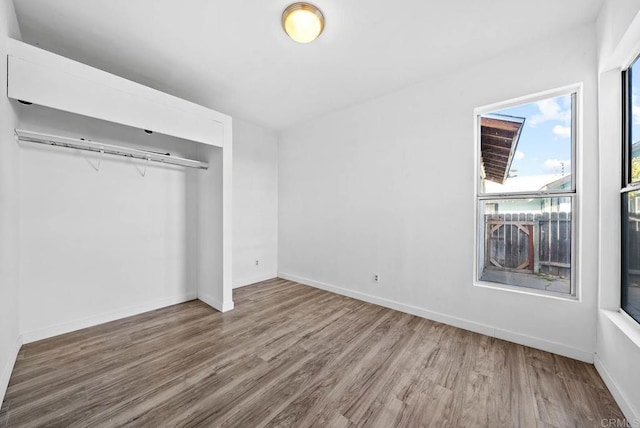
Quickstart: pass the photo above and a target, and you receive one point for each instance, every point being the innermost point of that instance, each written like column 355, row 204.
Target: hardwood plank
column 4, row 414
column 293, row 355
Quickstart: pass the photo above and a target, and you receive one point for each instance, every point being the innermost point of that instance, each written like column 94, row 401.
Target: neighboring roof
column 529, row 183
column 560, row 183
column 499, row 135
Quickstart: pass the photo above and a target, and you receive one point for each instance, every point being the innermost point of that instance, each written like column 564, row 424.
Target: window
column 630, row 211
column 526, row 193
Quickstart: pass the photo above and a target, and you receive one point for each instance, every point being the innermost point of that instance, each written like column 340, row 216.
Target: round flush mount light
column 303, row 22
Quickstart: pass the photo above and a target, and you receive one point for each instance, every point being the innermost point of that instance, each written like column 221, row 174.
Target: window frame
column 573, row 193
column 627, row 184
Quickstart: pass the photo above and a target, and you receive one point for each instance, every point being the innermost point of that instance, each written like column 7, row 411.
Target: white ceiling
column 234, row 57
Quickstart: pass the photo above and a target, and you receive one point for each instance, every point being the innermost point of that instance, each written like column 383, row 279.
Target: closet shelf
column 95, row 146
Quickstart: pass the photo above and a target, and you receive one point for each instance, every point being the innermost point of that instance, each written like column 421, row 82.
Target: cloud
column 550, row 109
column 519, row 155
column 556, row 164
column 562, row 131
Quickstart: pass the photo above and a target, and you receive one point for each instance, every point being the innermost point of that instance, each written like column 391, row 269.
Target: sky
column 544, row 147
column 635, row 102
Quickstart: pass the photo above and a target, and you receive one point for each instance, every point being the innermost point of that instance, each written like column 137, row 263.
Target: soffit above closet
column 233, row 56
column 36, row 76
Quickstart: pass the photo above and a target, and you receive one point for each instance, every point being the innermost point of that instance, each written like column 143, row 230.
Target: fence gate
column 510, row 239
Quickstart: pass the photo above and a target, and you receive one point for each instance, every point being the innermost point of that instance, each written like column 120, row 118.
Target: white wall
column 99, row 245
column 387, row 187
column 614, row 24
column 618, row 336
column 9, row 214
column 210, row 233
column 255, row 203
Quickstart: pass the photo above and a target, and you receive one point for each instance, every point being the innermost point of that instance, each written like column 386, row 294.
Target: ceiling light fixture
column 303, row 22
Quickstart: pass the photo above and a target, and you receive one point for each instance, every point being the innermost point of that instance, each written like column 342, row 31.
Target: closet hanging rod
column 94, row 146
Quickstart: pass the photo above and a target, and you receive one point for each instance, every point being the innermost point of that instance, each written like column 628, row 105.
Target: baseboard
column 253, row 280
column 67, row 327
column 215, row 303
column 510, row 336
column 8, row 368
column 632, row 415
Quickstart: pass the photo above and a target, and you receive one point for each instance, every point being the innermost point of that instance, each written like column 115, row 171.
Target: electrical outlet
column 376, row 277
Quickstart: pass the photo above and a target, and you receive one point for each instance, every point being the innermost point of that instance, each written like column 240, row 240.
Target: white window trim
column 576, row 290
column 627, row 187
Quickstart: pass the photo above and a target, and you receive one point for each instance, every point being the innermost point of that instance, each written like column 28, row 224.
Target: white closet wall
column 99, row 245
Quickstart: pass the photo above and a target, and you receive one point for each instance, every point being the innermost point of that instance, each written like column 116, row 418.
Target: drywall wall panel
column 618, row 33
column 255, row 204
column 215, row 219
column 617, row 359
column 51, row 80
column 9, row 213
column 210, row 233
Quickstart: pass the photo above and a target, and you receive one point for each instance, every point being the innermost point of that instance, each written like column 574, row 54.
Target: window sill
column 625, row 323
column 527, row 291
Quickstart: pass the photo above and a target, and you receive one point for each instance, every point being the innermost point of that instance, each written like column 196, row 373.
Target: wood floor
column 291, row 355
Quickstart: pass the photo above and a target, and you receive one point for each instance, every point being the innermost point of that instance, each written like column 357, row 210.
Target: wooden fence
column 633, row 243
column 532, row 243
